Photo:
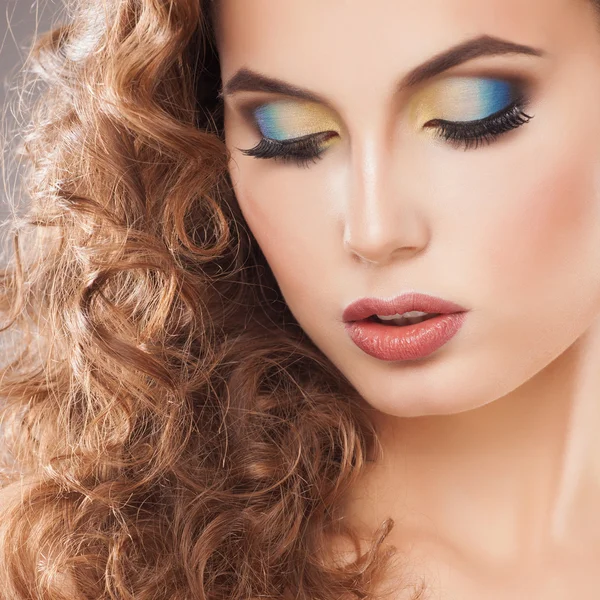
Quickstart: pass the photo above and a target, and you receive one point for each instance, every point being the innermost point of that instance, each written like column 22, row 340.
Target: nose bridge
column 382, row 219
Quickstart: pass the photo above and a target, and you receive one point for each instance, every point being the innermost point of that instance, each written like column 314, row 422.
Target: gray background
column 19, row 20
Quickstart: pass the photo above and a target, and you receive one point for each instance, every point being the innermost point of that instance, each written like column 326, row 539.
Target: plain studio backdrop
column 19, row 21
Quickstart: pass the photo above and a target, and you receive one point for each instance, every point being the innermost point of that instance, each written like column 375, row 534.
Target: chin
column 426, row 387
column 418, row 406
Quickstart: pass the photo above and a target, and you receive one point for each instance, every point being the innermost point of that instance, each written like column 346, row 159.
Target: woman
column 306, row 304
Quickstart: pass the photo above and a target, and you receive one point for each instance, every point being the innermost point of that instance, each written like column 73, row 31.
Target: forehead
column 332, row 42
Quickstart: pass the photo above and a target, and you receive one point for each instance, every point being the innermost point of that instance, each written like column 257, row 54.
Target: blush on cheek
column 553, row 217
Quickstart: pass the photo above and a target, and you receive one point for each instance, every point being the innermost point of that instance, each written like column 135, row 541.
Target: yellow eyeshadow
column 289, row 119
column 457, row 99
column 461, row 99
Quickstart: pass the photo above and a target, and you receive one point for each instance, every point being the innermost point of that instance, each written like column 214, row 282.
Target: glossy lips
column 410, row 342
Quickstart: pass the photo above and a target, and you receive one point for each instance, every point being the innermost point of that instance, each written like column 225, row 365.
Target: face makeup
column 288, row 119
column 498, row 211
column 379, row 328
column 461, row 110
column 463, row 99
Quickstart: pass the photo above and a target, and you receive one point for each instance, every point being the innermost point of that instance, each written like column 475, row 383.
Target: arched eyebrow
column 250, row 81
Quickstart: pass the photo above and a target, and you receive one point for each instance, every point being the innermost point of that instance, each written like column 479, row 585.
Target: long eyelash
column 471, row 133
column 308, row 149
column 302, row 151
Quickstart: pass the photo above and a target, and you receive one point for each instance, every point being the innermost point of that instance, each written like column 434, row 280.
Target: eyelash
column 303, row 150
column 307, row 149
column 471, row 133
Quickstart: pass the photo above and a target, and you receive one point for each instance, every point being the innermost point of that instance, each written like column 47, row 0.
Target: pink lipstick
column 396, row 338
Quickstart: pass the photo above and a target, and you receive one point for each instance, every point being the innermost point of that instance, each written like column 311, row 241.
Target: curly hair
column 179, row 434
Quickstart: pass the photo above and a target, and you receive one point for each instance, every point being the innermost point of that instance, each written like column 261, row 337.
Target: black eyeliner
column 467, row 134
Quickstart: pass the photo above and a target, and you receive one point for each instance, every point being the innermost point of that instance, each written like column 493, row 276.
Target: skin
column 491, row 457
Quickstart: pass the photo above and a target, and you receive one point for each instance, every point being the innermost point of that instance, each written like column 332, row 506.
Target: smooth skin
column 491, row 466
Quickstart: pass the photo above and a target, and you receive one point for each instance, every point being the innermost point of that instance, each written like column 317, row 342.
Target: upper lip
column 367, row 307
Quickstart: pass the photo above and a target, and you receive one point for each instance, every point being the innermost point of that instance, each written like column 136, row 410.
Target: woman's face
column 506, row 224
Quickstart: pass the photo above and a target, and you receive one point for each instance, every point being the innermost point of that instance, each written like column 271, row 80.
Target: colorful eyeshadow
column 289, row 119
column 462, row 99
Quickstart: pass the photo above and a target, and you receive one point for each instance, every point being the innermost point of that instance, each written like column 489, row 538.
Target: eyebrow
column 247, row 80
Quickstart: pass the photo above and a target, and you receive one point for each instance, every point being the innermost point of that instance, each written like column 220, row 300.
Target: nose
column 383, row 220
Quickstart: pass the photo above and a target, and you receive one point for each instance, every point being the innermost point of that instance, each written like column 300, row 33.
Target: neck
column 512, row 483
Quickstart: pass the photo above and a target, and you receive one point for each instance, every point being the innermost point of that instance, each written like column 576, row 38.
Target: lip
column 410, row 342
column 367, row 307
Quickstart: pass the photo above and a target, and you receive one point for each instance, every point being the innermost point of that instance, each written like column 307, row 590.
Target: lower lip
column 409, row 342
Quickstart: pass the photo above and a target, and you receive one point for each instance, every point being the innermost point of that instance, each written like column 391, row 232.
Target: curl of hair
column 180, row 436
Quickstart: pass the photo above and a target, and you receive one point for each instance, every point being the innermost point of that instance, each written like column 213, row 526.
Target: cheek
column 550, row 236
column 545, row 242
column 285, row 211
column 533, row 267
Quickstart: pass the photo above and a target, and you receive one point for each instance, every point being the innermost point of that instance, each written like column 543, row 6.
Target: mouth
column 397, row 320
column 408, row 327
column 407, row 306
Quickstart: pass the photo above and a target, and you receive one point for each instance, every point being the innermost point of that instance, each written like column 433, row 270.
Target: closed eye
column 460, row 97
column 302, row 150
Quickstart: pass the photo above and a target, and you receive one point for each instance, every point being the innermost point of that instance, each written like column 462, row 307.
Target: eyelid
column 521, row 78
column 439, row 97
column 518, row 78
column 299, row 117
